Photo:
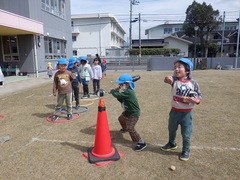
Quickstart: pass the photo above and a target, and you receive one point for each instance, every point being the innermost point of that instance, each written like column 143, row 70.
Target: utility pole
column 140, row 43
column 130, row 29
column 223, row 28
column 132, row 2
column 195, row 45
column 237, row 52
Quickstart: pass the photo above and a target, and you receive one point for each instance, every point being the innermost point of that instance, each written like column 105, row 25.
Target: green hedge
column 155, row 51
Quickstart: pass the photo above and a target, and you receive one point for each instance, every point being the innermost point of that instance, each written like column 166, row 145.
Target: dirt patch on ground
column 39, row 149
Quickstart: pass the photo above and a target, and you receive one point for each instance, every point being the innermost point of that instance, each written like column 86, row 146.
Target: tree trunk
column 206, row 52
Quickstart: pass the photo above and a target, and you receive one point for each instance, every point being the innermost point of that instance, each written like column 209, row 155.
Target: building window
column 74, row 52
column 74, row 38
column 215, row 36
column 56, row 7
column 10, row 49
column 54, row 48
column 178, row 29
column 230, row 28
column 167, row 30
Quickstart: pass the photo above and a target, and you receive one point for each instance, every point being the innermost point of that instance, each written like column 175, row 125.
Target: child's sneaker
column 185, row 156
column 169, row 146
column 77, row 107
column 140, row 146
column 54, row 118
column 122, row 130
column 69, row 117
column 84, row 97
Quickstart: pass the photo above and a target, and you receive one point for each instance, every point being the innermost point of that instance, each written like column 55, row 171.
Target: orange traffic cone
column 103, row 152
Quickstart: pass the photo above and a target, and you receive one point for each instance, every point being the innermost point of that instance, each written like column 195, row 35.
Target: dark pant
column 75, row 88
column 85, row 86
column 96, row 85
column 128, row 124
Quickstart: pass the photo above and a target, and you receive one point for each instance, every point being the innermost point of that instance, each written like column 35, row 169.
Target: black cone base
column 94, row 159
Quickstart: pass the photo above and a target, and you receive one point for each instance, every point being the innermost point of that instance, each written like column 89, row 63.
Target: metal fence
column 152, row 63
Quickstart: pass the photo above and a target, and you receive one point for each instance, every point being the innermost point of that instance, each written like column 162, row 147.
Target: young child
column 73, row 67
column 104, row 67
column 97, row 75
column 131, row 110
column 86, row 75
column 62, row 85
column 99, row 59
column 49, row 70
column 185, row 94
column 1, row 77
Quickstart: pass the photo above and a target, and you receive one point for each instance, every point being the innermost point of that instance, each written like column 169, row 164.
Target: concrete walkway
column 14, row 84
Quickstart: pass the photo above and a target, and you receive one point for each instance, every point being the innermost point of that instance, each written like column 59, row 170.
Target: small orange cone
column 103, row 152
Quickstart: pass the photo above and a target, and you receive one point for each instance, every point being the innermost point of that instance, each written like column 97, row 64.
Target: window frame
column 10, row 56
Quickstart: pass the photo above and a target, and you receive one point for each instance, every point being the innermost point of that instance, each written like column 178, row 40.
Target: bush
column 155, row 51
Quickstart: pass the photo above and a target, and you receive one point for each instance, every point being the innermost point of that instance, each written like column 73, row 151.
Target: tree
column 207, row 19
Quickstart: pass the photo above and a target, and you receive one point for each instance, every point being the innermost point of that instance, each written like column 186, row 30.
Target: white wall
column 175, row 43
column 95, row 35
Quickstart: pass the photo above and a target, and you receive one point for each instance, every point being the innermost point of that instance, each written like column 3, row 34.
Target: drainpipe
column 35, row 56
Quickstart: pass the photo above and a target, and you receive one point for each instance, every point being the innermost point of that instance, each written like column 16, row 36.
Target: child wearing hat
column 73, row 67
column 185, row 95
column 86, row 75
column 125, row 94
column 62, row 85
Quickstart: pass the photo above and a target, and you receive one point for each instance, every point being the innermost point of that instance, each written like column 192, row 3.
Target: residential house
column 95, row 34
column 164, row 33
column 168, row 42
column 163, row 30
column 229, row 39
column 33, row 33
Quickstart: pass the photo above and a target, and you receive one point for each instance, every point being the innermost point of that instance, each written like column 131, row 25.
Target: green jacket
column 129, row 101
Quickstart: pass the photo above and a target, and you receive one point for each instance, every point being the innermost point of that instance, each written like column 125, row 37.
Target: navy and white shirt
column 189, row 88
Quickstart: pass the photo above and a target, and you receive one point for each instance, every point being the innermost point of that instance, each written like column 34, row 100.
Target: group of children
column 185, row 95
column 70, row 75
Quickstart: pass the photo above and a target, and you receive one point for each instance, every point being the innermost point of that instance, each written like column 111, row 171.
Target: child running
column 185, row 94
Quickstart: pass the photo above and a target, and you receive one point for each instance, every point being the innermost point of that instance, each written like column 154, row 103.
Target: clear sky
column 153, row 12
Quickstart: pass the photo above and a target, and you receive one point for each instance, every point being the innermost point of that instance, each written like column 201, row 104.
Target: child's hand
column 168, row 79
column 54, row 93
column 193, row 100
column 117, row 88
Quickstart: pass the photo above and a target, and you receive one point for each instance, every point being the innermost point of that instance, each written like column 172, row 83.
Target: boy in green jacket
column 131, row 110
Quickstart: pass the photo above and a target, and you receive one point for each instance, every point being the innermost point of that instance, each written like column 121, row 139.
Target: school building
column 33, row 33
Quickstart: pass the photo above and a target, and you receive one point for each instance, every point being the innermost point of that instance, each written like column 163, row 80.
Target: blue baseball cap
column 62, row 61
column 126, row 78
column 189, row 63
column 83, row 58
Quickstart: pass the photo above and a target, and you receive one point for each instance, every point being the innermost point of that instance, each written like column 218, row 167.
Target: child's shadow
column 41, row 115
column 50, row 106
column 75, row 146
